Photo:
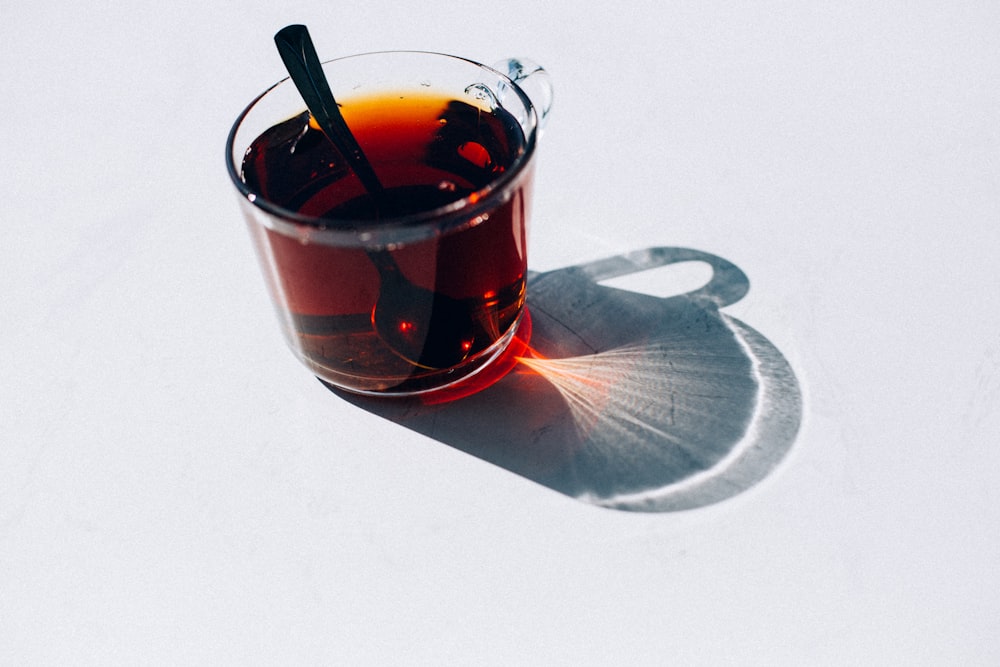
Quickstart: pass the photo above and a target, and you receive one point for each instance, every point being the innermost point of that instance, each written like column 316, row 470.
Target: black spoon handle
column 303, row 65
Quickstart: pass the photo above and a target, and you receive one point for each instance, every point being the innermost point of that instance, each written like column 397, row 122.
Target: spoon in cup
column 426, row 328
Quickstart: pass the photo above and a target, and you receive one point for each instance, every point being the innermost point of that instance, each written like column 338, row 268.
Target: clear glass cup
column 425, row 287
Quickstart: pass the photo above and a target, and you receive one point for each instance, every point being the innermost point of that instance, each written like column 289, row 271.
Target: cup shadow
column 626, row 400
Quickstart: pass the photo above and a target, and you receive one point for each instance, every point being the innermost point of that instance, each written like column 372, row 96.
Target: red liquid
column 393, row 318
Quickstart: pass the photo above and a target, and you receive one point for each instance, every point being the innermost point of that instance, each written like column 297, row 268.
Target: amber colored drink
column 431, row 154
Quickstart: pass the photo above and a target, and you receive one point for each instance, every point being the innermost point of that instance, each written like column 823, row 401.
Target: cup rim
column 395, row 229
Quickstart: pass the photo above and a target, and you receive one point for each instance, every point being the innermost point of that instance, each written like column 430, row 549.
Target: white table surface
column 176, row 489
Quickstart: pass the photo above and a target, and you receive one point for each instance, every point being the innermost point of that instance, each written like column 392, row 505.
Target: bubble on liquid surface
column 447, row 186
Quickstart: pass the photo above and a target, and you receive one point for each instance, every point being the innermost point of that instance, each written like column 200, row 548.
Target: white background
column 176, row 489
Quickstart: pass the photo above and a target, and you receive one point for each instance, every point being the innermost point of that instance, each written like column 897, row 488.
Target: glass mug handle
column 533, row 80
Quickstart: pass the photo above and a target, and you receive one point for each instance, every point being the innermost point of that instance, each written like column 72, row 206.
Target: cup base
column 471, row 376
